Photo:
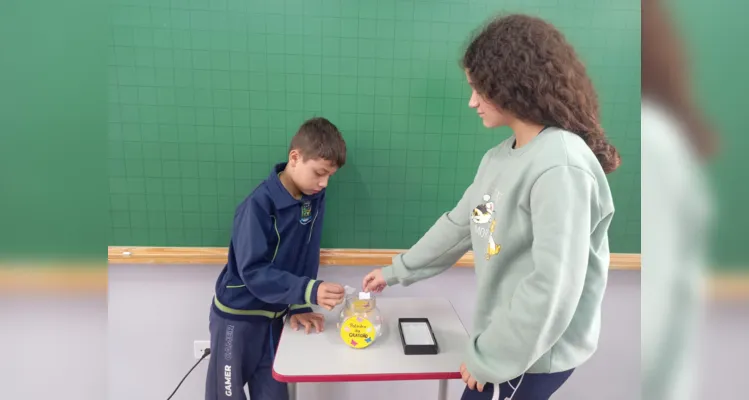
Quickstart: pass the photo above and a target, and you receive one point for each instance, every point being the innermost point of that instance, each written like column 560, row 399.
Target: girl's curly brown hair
column 524, row 65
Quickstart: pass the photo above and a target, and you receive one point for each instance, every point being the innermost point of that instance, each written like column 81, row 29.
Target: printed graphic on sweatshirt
column 484, row 214
column 306, row 216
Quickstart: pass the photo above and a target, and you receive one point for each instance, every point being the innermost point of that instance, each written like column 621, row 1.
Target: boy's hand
column 329, row 295
column 308, row 320
column 374, row 282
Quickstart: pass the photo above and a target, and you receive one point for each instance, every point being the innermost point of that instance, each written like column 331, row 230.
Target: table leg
column 292, row 390
column 442, row 390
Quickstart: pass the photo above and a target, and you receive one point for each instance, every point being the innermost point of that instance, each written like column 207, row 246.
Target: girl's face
column 490, row 115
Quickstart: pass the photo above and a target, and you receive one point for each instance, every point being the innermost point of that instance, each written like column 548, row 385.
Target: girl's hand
column 469, row 380
column 374, row 282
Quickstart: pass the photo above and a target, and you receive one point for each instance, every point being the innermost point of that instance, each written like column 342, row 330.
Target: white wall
column 157, row 311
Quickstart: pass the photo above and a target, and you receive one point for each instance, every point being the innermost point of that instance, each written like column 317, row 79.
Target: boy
column 274, row 255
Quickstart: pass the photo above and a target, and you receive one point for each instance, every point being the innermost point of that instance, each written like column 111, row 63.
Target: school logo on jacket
column 484, row 214
column 306, row 216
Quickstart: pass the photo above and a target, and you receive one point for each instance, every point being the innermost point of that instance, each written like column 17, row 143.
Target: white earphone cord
column 495, row 395
column 515, row 388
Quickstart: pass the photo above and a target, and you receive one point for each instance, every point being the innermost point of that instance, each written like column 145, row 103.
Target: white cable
column 495, row 395
column 514, row 388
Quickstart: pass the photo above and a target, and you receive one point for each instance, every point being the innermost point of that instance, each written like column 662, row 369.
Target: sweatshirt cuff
column 300, row 309
column 388, row 273
column 310, row 294
column 477, row 373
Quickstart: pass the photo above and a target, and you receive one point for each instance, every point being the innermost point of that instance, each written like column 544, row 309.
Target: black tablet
column 417, row 336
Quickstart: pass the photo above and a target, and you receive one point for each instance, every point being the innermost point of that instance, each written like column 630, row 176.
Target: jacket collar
column 281, row 197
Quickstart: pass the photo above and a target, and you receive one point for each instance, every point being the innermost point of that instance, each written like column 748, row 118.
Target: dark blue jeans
column 533, row 387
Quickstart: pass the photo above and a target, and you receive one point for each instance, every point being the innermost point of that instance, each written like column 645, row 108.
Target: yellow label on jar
column 358, row 332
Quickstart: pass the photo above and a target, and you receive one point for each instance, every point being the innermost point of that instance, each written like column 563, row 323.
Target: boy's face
column 310, row 175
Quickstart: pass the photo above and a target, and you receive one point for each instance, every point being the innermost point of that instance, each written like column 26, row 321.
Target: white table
column 324, row 357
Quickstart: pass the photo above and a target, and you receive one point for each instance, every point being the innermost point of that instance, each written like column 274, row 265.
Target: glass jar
column 360, row 321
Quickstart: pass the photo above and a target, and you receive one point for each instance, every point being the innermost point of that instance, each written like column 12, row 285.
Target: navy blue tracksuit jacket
column 274, row 254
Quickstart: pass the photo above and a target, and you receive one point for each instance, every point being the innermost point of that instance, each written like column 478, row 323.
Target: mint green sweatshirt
column 537, row 219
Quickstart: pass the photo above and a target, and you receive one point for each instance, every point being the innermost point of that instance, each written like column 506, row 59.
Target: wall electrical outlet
column 199, row 347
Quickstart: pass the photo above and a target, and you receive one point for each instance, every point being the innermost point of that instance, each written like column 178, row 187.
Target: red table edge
column 416, row 376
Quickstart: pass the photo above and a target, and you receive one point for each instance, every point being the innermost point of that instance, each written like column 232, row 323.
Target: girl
column 536, row 215
column 677, row 206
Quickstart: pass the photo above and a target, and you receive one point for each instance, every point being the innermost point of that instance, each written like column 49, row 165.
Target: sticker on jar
column 358, row 332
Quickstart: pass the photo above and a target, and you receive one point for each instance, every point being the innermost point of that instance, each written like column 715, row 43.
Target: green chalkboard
column 205, row 95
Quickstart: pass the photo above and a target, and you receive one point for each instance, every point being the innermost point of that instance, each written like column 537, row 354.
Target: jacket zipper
column 312, row 227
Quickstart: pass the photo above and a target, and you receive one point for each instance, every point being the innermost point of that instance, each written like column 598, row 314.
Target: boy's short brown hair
column 319, row 138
